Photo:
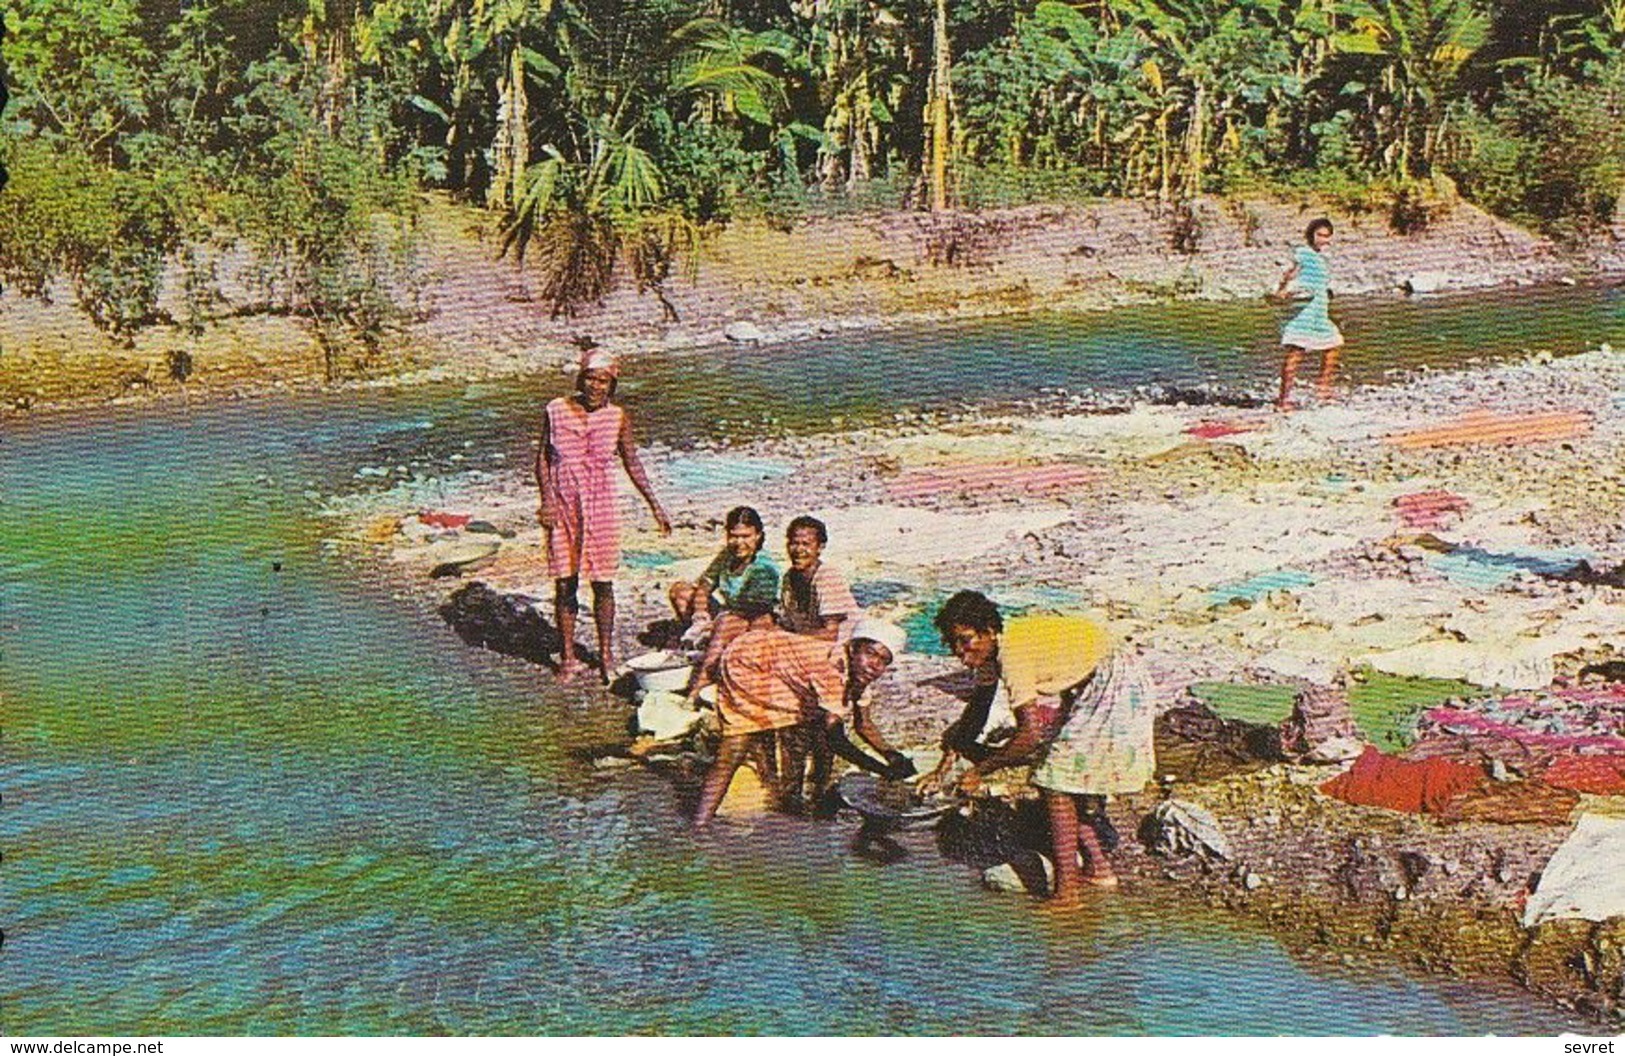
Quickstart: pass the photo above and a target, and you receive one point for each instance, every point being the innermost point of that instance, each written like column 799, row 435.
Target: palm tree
column 598, row 192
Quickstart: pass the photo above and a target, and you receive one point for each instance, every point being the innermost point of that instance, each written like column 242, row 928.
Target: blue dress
column 1312, row 328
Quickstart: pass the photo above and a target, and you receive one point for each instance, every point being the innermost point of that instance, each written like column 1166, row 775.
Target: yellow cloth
column 1042, row 656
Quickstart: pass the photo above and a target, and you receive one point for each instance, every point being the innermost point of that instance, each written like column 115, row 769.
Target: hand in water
column 932, row 783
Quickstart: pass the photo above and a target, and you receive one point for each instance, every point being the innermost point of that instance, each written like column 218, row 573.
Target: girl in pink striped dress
column 582, row 435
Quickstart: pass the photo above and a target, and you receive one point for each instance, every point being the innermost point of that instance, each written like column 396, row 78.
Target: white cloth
column 1586, row 876
column 1105, row 745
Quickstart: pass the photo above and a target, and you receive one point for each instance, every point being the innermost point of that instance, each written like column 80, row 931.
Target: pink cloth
column 1485, row 427
column 1469, row 722
column 1212, row 430
column 1429, row 509
column 586, row 536
column 1005, row 477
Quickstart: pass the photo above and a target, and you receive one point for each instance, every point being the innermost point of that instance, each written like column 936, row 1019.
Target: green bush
column 1550, row 155
column 109, row 232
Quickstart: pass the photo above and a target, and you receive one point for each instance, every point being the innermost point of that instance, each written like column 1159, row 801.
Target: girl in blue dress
column 1312, row 329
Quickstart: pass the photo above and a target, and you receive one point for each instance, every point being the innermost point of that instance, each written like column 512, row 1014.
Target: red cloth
column 1425, row 786
column 1602, row 775
column 437, row 519
column 1427, row 509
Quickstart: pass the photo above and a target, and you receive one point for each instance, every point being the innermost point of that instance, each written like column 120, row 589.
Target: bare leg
column 730, row 753
column 565, row 607
column 1064, row 833
column 1328, row 371
column 1100, row 868
column 793, row 747
column 603, row 614
column 1289, row 374
column 823, row 760
column 682, row 596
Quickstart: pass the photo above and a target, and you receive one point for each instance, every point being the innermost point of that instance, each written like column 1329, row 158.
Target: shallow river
column 246, row 790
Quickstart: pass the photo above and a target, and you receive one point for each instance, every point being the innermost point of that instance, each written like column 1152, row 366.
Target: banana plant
column 1420, row 48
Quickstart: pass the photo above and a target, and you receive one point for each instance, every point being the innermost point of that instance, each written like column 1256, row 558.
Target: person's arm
column 640, row 479
column 842, row 746
column 898, row 765
column 1287, row 277
column 1017, row 750
column 544, row 475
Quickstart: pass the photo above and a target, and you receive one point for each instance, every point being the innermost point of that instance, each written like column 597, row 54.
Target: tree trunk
column 1194, row 150
column 510, row 148
column 937, row 108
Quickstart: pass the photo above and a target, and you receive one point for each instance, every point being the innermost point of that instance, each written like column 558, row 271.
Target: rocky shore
column 1444, row 557
column 470, row 315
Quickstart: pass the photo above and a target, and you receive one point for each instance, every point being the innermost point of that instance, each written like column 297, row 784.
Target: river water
column 248, row 789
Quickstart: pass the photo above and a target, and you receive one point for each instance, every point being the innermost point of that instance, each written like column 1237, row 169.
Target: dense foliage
column 608, row 133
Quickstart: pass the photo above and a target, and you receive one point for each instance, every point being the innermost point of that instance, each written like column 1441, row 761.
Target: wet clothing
column 772, row 680
column 827, row 596
column 1104, row 744
column 1312, row 328
column 583, row 445
column 750, row 592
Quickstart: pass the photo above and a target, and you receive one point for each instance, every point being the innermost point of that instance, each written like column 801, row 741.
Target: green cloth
column 1386, row 707
column 1255, row 705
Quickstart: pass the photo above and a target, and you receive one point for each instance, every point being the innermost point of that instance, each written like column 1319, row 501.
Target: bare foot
column 1284, row 406
column 1104, row 881
column 568, row 670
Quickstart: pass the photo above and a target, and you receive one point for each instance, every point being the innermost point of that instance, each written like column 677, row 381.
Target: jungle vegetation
column 146, row 138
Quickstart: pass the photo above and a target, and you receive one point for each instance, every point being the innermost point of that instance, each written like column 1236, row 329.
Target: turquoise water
column 246, row 790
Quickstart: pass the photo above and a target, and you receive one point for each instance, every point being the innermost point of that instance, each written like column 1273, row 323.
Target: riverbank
column 1425, row 538
column 471, row 316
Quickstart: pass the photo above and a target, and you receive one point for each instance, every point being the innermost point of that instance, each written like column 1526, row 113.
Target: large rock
column 503, row 623
column 1177, row 828
column 745, row 332
column 1427, row 282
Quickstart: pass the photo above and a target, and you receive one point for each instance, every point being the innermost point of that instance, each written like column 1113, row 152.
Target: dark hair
column 746, row 516
column 814, row 523
column 1315, row 225
column 968, row 609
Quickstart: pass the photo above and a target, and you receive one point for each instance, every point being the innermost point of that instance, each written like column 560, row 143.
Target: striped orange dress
column 772, row 679
column 586, row 536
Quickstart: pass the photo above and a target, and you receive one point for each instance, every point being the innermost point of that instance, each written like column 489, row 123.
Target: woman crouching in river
column 773, row 680
column 1084, row 712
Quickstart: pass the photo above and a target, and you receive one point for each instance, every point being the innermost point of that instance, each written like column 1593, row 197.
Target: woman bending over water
column 1084, row 712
